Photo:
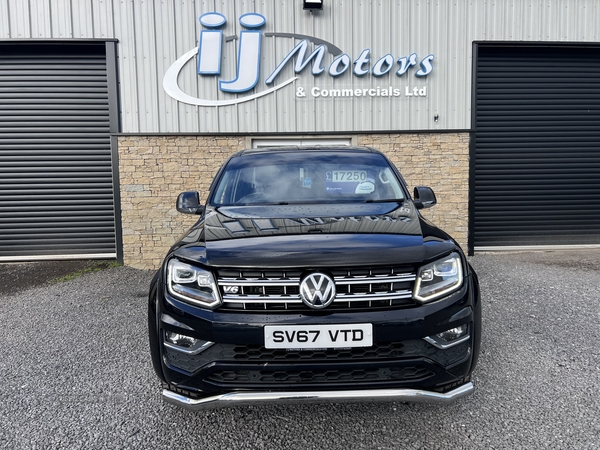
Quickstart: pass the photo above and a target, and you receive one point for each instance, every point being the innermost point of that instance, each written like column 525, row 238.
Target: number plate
column 318, row 336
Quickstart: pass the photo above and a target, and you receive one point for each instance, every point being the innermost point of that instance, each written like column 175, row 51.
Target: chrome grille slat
column 340, row 298
column 260, row 299
column 372, row 297
column 374, row 279
column 259, row 282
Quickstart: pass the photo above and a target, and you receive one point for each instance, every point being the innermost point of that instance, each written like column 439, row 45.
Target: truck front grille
column 278, row 290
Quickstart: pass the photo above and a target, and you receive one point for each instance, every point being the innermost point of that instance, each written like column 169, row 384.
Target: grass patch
column 91, row 267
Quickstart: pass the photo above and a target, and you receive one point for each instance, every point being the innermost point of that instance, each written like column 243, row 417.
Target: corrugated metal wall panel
column 402, row 11
column 186, row 114
column 321, row 110
column 454, row 102
column 40, row 12
column 165, row 20
column 146, row 51
column 128, row 66
column 20, row 20
column 152, row 34
column 287, row 113
column 82, row 20
column 270, row 104
column 341, row 31
column 102, row 15
column 361, row 39
column 245, row 118
column 56, row 181
column 61, row 21
column 537, row 141
column 4, row 21
column 226, row 117
column 422, row 45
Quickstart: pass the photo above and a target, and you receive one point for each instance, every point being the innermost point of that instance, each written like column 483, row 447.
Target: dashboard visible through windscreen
column 307, row 177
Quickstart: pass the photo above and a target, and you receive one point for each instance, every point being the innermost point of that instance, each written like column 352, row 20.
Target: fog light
column 449, row 338
column 180, row 340
column 185, row 344
column 453, row 333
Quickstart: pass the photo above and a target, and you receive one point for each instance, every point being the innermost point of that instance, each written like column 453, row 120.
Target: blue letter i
column 209, row 44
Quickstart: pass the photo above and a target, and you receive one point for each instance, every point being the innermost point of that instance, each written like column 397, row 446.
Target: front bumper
column 401, row 365
column 287, row 398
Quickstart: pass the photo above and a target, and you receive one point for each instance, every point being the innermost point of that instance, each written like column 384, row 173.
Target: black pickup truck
column 311, row 276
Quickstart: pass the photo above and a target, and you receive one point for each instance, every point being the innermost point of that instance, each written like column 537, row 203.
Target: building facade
column 110, row 108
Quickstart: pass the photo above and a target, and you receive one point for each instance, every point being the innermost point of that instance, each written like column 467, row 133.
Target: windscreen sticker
column 339, row 188
column 349, row 182
column 366, row 187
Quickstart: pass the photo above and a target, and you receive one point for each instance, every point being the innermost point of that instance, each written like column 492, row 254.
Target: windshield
column 307, row 177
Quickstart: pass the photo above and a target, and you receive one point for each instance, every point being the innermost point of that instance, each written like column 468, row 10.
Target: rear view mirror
column 189, row 203
column 424, row 197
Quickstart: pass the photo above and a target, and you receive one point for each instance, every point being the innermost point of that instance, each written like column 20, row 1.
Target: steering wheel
column 256, row 197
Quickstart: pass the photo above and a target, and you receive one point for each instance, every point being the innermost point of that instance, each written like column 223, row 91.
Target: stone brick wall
column 440, row 161
column 153, row 170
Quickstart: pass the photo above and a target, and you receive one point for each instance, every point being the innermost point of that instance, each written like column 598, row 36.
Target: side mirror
column 189, row 203
column 424, row 197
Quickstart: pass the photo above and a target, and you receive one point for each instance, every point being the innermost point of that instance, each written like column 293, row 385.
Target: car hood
column 282, row 220
column 314, row 235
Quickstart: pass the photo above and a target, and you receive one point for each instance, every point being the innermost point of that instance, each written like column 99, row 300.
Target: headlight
column 192, row 284
column 439, row 278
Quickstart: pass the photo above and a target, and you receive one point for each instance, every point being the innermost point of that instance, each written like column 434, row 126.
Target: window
column 307, row 177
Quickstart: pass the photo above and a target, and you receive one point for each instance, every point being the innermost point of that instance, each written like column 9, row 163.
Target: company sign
column 324, row 58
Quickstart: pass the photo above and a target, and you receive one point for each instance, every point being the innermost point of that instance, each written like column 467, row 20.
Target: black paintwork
column 314, row 237
column 348, row 235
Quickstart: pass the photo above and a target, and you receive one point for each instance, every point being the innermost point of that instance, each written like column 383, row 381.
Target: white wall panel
column 166, row 54
column 341, row 31
column 149, row 87
column 61, row 22
column 153, row 34
column 102, row 14
column 268, row 115
column 82, row 18
column 128, row 65
column 187, row 115
column 4, row 21
column 20, row 19
column 287, row 113
column 227, row 116
column 247, row 117
column 400, row 10
column 307, row 109
column 361, row 39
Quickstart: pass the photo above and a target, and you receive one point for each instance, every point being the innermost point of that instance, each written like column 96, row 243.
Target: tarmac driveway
column 76, row 371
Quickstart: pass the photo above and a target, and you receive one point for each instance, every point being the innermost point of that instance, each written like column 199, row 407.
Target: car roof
column 307, row 148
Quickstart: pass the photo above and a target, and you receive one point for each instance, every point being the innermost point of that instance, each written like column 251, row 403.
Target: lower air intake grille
column 319, row 376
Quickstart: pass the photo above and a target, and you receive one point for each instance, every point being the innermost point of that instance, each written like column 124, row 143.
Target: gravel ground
column 76, row 373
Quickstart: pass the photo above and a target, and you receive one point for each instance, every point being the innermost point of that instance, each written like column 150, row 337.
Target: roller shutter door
column 537, row 147
column 56, row 174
